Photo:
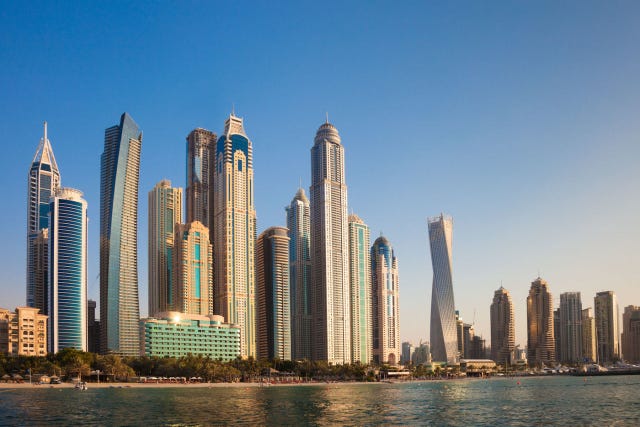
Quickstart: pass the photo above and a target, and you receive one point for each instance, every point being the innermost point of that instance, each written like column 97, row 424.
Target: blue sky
column 520, row 119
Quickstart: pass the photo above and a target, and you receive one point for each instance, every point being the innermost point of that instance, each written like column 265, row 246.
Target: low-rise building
column 176, row 334
column 23, row 333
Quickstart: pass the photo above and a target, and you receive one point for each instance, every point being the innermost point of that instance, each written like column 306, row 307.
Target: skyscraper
column 200, row 144
column 570, row 327
column 93, row 328
column 165, row 211
column 192, row 269
column 360, row 283
column 272, row 282
column 234, row 232
column 386, row 316
column 444, row 340
column 407, row 351
column 631, row 334
column 120, row 173
column 460, row 335
column 607, row 328
column 331, row 326
column 68, row 271
column 589, row 352
column 44, row 179
column 540, row 332
column 503, row 334
column 299, row 226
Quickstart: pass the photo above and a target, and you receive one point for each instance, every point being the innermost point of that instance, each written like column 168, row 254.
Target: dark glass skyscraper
column 201, row 145
column 120, row 171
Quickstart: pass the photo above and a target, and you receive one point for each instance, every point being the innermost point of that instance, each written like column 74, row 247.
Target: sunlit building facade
column 503, row 331
column 541, row 348
column 607, row 327
column 589, row 352
column 23, row 332
column 361, row 292
column 43, row 181
column 385, row 303
column 631, row 334
column 444, row 340
column 331, row 326
column 201, row 144
column 234, row 232
column 120, row 174
column 570, row 328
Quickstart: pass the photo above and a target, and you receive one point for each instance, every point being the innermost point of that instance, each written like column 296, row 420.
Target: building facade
column 444, row 340
column 299, row 226
column 273, row 304
column 570, row 328
column 460, row 335
column 631, row 334
column 407, row 351
column 23, row 332
column 503, row 331
column 93, row 327
column 192, row 269
column 331, row 311
column 165, row 211
column 607, row 327
column 68, row 225
column 361, row 291
column 234, row 232
column 201, row 145
column 385, row 305
column 541, row 349
column 589, row 352
column 43, row 181
column 120, row 173
column 173, row 334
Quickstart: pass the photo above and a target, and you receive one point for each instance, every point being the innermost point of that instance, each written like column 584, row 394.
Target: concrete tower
column 631, row 334
column 120, row 174
column 444, row 339
column 589, row 352
column 299, row 226
column 43, row 181
column 607, row 327
column 570, row 328
column 234, row 232
column 165, row 211
column 540, row 332
column 200, row 144
column 384, row 307
column 331, row 325
column 503, row 331
column 360, row 283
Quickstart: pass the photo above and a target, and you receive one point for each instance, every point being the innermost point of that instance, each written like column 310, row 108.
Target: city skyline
column 501, row 212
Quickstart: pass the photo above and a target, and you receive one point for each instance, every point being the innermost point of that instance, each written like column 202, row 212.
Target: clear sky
column 520, row 119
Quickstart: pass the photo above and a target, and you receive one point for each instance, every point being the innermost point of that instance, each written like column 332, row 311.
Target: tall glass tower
column 120, row 173
column 234, row 233
column 200, row 144
column 444, row 338
column 43, row 181
column 299, row 226
column 360, row 282
column 68, row 271
column 386, row 319
column 165, row 211
column 331, row 325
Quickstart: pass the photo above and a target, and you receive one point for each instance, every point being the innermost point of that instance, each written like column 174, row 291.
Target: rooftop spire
column 45, row 130
column 327, row 119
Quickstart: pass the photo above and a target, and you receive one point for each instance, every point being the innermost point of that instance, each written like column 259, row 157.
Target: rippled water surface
column 535, row 401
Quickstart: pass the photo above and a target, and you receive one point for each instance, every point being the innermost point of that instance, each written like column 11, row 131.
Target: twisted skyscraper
column 331, row 325
column 120, row 173
column 444, row 338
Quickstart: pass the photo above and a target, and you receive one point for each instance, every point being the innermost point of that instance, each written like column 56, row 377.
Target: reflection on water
column 558, row 400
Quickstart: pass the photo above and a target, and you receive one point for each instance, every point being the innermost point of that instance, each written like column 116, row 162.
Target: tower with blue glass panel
column 67, row 271
column 386, row 320
column 120, row 173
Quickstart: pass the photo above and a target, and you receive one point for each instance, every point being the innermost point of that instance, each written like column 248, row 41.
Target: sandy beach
column 174, row 385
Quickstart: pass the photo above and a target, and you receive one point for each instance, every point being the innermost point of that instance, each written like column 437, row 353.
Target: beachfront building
column 23, row 332
column 385, row 305
column 173, row 334
column 234, row 232
column 272, row 286
column 444, row 339
column 165, row 211
column 331, row 327
column 299, row 226
column 43, row 181
column 607, row 327
column 631, row 334
column 120, row 173
column 541, row 348
column 68, row 225
column 503, row 335
column 360, row 283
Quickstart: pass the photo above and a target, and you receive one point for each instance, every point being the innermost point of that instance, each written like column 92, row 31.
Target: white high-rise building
column 360, row 279
column 331, row 326
column 444, row 338
column 385, row 306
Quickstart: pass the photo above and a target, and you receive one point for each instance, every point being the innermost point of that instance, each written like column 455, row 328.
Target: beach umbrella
column 6, row 377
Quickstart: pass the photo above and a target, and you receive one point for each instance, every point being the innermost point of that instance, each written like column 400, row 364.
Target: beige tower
column 23, row 333
column 589, row 335
column 192, row 269
column 541, row 347
column 631, row 334
column 503, row 334
column 165, row 211
column 385, row 307
column 234, row 232
column 607, row 327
